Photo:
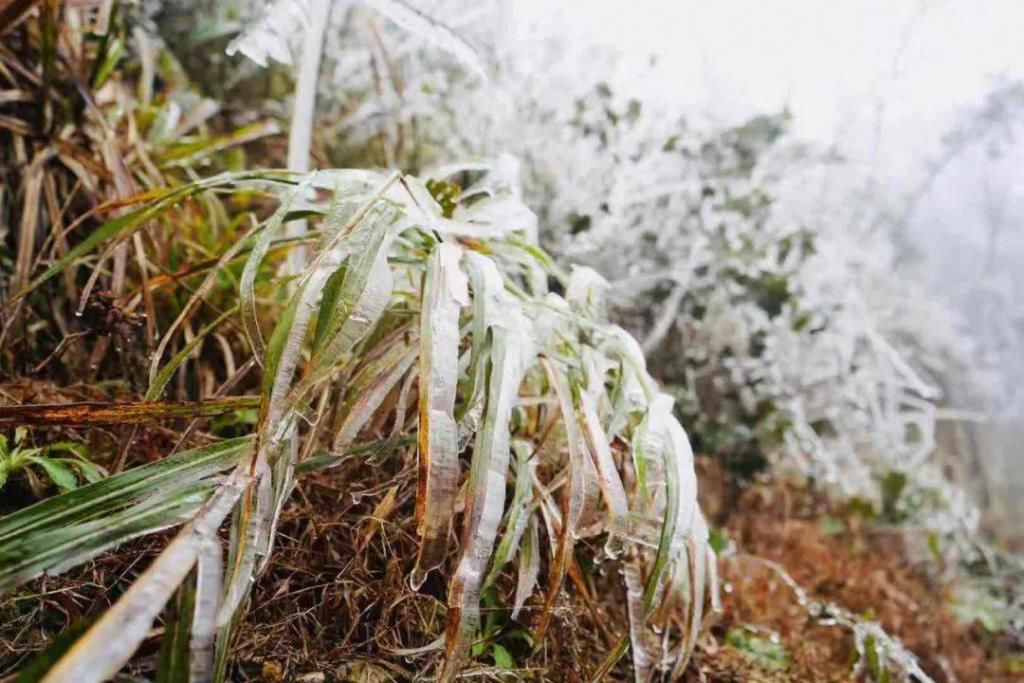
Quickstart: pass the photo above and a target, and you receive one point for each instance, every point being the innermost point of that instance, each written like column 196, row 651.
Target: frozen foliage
column 279, row 25
column 761, row 287
column 272, row 34
column 763, row 298
column 505, row 365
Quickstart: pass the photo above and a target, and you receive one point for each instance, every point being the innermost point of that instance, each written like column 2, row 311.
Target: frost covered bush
column 777, row 329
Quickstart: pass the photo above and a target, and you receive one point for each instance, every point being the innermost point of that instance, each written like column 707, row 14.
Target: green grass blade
column 247, row 284
column 519, row 510
column 172, row 664
column 158, row 202
column 57, row 550
column 167, row 371
column 119, row 491
column 56, row 649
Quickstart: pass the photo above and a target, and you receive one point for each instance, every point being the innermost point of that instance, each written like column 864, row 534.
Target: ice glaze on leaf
column 445, row 292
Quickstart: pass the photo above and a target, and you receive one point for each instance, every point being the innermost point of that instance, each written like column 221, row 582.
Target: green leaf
column 502, row 657
column 90, row 471
column 118, row 492
column 768, row 653
column 328, row 305
column 719, row 540
column 68, row 447
column 874, row 662
column 58, row 472
column 934, row 546
column 110, row 59
column 173, row 664
column 165, row 374
column 28, row 555
column 832, row 526
column 893, row 485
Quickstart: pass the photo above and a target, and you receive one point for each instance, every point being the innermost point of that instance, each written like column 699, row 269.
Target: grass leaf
column 444, row 293
column 59, row 473
column 511, row 349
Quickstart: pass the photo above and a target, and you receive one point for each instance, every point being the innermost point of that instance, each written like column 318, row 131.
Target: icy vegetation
column 774, row 319
column 772, row 313
column 527, row 361
column 513, row 271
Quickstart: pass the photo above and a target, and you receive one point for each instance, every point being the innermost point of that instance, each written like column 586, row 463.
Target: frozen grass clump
column 403, row 300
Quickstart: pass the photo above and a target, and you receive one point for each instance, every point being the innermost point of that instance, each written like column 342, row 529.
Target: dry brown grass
column 335, row 601
column 869, row 570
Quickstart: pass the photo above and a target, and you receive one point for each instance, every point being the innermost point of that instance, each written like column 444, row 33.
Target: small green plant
column 63, row 463
column 764, row 650
column 876, row 664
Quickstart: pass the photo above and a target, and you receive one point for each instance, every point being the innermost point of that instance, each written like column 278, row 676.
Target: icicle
column 642, row 663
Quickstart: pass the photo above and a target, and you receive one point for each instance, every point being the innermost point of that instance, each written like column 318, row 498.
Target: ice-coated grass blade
column 529, row 566
column 208, row 591
column 247, row 284
column 371, row 385
column 110, row 642
column 444, row 294
column 510, row 351
column 385, row 288
column 518, row 513
column 428, row 27
column 660, row 436
column 582, row 493
column 608, row 475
